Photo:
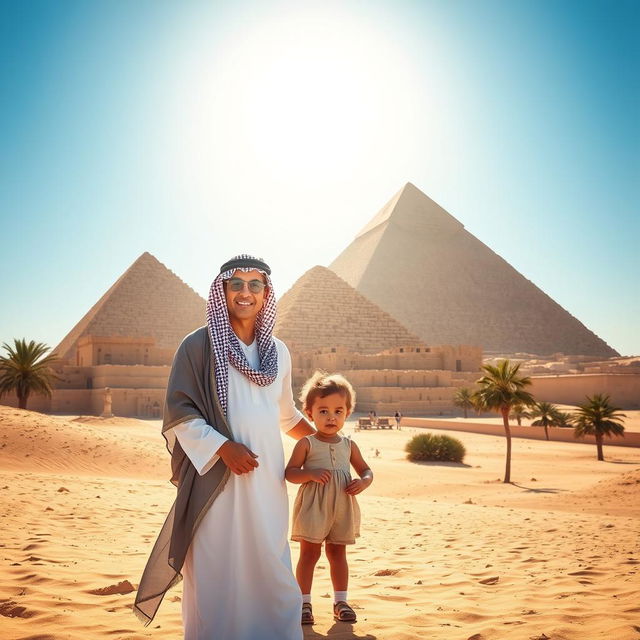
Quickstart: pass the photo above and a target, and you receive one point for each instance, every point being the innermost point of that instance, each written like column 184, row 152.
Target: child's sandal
column 307, row 613
column 343, row 612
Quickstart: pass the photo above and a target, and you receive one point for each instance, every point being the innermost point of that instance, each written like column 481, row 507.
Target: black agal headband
column 246, row 263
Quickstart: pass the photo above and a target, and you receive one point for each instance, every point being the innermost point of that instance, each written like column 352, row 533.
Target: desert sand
column 448, row 551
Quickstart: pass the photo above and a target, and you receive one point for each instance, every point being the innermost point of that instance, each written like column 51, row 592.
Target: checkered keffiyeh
column 225, row 344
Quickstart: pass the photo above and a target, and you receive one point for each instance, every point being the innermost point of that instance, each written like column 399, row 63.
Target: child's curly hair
column 322, row 384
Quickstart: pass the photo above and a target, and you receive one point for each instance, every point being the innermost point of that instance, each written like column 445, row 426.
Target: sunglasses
column 237, row 284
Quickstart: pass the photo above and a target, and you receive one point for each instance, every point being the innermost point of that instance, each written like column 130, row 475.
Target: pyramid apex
column 144, row 257
column 413, row 209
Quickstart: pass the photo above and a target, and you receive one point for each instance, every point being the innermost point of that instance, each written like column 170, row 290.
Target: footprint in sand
column 121, row 588
column 386, row 572
column 11, row 609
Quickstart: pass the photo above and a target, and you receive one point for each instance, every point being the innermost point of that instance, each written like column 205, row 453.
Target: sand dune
column 36, row 442
column 447, row 552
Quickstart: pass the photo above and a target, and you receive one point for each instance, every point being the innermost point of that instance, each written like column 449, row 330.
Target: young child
column 325, row 509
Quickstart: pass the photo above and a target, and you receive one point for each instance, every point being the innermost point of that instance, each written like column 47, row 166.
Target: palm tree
column 26, row 369
column 500, row 389
column 599, row 418
column 518, row 411
column 563, row 419
column 547, row 415
column 463, row 398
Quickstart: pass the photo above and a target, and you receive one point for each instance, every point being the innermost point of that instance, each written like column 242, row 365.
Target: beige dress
column 325, row 511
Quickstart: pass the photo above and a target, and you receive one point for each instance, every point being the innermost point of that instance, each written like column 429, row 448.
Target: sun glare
column 307, row 96
column 307, row 112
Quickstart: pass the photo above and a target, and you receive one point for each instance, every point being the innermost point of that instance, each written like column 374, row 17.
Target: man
column 229, row 394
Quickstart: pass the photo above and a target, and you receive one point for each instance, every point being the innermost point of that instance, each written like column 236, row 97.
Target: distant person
column 398, row 417
column 228, row 398
column 326, row 509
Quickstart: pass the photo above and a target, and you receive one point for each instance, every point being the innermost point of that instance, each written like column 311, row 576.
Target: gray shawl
column 191, row 393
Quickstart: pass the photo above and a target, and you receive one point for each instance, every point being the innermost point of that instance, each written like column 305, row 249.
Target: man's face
column 244, row 304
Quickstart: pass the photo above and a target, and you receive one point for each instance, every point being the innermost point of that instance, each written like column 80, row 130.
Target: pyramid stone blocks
column 321, row 310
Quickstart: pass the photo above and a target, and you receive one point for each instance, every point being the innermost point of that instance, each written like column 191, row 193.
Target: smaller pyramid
column 322, row 311
column 148, row 300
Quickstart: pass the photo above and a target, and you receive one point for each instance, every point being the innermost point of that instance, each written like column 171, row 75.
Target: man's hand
column 321, row 476
column 237, row 457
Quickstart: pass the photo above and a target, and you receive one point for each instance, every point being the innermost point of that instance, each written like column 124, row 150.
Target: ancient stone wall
column 414, row 381
column 72, row 402
column 130, row 376
column 441, row 357
column 624, row 388
column 97, row 350
column 141, row 403
column 410, row 401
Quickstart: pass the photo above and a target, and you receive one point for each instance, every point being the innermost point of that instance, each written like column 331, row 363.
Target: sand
column 448, row 551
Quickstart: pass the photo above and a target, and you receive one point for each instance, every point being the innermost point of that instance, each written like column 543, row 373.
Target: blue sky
column 196, row 130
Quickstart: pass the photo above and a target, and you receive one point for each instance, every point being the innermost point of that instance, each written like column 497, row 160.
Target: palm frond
column 463, row 398
column 26, row 368
column 597, row 416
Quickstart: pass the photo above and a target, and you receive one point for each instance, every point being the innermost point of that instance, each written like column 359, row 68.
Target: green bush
column 427, row 446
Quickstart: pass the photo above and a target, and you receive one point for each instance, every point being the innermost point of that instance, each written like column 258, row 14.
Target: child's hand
column 357, row 486
column 321, row 476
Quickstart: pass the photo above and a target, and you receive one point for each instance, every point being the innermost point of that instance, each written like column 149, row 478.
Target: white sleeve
column 289, row 414
column 200, row 441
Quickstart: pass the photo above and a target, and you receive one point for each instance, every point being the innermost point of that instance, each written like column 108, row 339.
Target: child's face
column 329, row 413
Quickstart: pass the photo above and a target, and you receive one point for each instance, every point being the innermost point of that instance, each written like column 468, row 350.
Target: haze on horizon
column 198, row 130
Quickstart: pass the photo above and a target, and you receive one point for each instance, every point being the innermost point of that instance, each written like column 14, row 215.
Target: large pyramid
column 418, row 263
column 148, row 300
column 321, row 310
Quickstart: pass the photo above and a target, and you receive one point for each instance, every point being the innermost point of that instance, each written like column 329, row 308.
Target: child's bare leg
column 337, row 556
column 309, row 556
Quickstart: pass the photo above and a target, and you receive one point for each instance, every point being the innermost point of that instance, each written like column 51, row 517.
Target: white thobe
column 238, row 582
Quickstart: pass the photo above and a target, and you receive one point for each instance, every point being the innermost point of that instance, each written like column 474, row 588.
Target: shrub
column 427, row 446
